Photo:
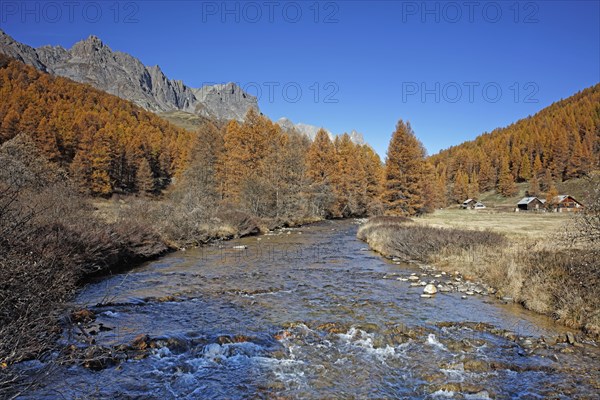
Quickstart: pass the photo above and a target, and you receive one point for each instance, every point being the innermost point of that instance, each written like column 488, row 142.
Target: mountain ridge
column 93, row 62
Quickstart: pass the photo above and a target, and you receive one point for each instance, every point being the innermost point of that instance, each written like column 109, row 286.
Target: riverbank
column 304, row 313
column 64, row 241
column 529, row 269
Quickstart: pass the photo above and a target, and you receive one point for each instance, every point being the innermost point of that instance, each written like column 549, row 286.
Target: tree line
column 257, row 167
column 108, row 144
column 560, row 142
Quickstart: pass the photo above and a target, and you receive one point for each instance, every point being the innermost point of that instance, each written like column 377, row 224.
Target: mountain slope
column 93, row 62
column 558, row 143
column 107, row 143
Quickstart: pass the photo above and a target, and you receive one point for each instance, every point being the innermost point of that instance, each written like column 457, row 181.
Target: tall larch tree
column 374, row 170
column 460, row 190
column 404, row 172
column 144, row 177
column 351, row 181
column 506, row 180
column 321, row 164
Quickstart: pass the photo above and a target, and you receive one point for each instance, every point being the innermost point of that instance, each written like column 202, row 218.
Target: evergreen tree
column 534, row 186
column 404, row 173
column 506, row 181
column 525, row 168
column 460, row 190
column 144, row 177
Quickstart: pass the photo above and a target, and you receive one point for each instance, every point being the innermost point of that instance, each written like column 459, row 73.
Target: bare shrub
column 49, row 241
column 395, row 236
column 586, row 229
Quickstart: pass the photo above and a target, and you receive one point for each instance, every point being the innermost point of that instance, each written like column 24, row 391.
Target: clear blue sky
column 437, row 64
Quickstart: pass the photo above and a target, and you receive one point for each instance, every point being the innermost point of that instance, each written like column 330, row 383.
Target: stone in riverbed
column 430, row 289
column 550, row 341
column 413, row 278
column 426, row 296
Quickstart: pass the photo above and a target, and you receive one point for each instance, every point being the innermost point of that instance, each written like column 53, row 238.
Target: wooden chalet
column 565, row 203
column 530, row 204
column 472, row 204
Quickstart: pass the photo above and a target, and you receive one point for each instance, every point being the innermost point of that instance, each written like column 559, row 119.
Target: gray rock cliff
column 93, row 62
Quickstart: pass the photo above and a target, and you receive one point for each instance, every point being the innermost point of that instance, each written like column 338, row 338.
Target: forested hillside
column 107, row 144
column 559, row 143
column 110, row 145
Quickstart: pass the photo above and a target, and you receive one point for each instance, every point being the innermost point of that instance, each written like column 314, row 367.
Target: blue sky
column 453, row 69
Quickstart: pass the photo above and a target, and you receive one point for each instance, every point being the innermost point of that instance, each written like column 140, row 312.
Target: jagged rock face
column 220, row 101
column 310, row 131
column 19, row 51
column 91, row 61
column 357, row 137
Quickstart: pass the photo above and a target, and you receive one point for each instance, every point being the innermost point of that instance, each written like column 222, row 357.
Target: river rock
column 430, row 289
column 550, row 341
column 413, row 278
column 426, row 296
column 444, row 289
column 570, row 338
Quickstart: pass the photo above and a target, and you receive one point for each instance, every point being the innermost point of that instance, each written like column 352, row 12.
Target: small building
column 472, row 204
column 530, row 204
column 565, row 203
column 468, row 203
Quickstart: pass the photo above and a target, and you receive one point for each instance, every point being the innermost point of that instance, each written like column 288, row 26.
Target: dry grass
column 515, row 253
column 512, row 224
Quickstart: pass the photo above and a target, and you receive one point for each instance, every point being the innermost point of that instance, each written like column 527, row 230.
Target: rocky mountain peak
column 19, row 51
column 310, row 131
column 92, row 61
column 357, row 137
column 90, row 48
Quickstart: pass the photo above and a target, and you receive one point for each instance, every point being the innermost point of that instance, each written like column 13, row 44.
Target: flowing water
column 308, row 313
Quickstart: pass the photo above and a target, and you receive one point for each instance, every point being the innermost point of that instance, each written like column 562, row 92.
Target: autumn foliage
column 406, row 173
column 108, row 144
column 275, row 174
column 559, row 143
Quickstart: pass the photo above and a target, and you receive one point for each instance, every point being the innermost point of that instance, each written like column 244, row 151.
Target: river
column 310, row 313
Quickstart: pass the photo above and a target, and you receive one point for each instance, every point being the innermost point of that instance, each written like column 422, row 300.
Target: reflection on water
column 307, row 313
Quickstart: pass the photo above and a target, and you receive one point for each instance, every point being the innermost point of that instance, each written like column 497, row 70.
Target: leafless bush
column 49, row 241
column 586, row 227
column 395, row 236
